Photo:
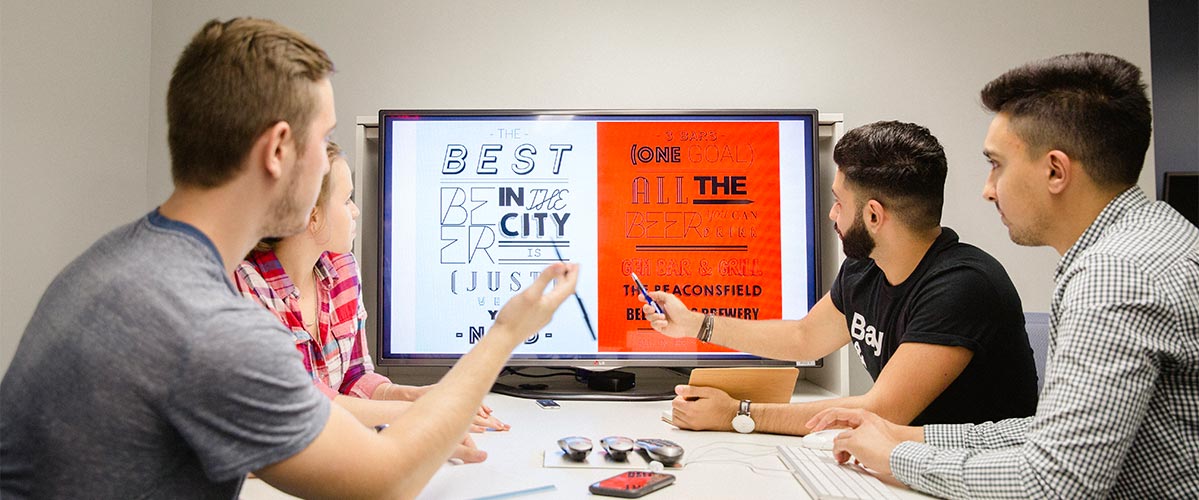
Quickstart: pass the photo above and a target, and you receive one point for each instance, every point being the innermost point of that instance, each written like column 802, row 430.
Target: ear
column 314, row 219
column 1061, row 171
column 272, row 148
column 873, row 215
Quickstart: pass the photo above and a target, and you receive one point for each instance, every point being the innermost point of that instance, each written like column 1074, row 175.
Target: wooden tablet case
column 760, row 385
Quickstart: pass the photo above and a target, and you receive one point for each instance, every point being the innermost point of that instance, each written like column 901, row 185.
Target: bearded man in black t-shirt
column 936, row 322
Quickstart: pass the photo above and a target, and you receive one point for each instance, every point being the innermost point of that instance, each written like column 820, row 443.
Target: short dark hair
column 902, row 165
column 1093, row 107
column 233, row 81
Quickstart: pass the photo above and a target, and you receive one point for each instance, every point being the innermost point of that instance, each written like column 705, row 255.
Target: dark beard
column 856, row 241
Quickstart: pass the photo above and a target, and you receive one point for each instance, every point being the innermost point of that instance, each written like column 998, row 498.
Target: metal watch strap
column 743, row 422
column 705, row 329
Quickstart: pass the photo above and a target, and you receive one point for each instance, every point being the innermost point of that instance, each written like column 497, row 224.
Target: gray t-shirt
column 136, row 378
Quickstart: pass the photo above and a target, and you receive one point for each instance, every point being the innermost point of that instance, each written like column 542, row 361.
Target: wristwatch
column 743, row 423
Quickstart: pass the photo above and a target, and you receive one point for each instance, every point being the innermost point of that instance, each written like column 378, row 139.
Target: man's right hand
column 677, row 322
column 870, row 438
column 700, row 408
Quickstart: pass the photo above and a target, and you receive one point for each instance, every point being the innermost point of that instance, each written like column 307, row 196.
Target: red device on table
column 632, row 484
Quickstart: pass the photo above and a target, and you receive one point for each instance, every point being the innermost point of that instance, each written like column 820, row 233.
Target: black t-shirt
column 957, row 296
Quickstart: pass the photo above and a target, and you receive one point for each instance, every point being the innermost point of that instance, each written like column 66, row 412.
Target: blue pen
column 645, row 294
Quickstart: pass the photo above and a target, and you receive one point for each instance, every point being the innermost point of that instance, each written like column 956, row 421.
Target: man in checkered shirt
column 1119, row 412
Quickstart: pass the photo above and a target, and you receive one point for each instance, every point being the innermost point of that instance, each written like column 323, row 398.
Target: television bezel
column 598, row 361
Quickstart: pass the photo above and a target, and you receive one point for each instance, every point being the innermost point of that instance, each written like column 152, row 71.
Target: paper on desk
column 481, row 481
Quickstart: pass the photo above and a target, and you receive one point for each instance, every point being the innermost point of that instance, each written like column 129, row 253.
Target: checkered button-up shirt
column 337, row 358
column 1119, row 412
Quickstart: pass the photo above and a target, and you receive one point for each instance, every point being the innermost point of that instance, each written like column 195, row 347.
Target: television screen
column 716, row 207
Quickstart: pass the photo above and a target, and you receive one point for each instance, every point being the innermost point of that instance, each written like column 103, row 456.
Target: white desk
column 515, row 457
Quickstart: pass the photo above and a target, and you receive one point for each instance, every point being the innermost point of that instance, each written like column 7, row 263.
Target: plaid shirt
column 1119, row 412
column 338, row 359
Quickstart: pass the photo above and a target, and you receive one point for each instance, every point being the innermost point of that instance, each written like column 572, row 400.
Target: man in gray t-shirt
column 135, row 377
column 153, row 387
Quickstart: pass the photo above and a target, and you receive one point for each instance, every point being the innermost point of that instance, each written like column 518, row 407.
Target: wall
column 1174, row 28
column 73, row 139
column 871, row 60
column 7, row 342
column 922, row 62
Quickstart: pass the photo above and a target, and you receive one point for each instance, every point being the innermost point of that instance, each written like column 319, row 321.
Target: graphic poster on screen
column 498, row 201
column 693, row 209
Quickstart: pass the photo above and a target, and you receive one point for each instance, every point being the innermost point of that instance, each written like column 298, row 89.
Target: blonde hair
column 334, row 152
column 234, row 80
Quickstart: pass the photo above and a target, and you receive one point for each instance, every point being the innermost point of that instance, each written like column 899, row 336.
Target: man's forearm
column 820, row 332
column 987, row 435
column 777, row 339
column 792, row 418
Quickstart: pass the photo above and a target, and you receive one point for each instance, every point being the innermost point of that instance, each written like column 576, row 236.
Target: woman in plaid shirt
column 323, row 307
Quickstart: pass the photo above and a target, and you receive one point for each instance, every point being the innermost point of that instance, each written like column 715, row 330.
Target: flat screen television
column 717, row 207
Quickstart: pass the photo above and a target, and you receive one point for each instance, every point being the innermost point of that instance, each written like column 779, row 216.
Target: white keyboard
column 824, row 478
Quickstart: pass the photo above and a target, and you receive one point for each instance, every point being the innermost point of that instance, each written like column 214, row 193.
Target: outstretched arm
column 820, row 332
column 398, row 462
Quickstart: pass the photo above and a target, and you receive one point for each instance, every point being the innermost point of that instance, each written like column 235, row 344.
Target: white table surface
column 717, row 464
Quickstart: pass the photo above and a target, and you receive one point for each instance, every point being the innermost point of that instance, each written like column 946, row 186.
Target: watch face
column 743, row 424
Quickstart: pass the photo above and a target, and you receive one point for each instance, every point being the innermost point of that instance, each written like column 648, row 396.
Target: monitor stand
column 580, row 384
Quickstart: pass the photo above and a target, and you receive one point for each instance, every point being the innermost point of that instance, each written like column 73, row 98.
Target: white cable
column 717, row 446
column 763, row 471
column 727, row 446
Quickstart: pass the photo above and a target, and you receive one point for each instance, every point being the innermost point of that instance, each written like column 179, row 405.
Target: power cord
column 698, row 453
column 560, row 372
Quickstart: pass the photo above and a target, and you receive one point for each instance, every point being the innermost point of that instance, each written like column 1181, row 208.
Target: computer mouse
column 617, row 447
column 661, row 450
column 575, row 447
column 821, row 440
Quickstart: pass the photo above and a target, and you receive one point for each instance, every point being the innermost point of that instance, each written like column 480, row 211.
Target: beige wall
column 73, row 139
column 871, row 60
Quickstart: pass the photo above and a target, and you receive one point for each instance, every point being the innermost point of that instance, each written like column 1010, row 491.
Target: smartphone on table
column 548, row 404
column 632, row 484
